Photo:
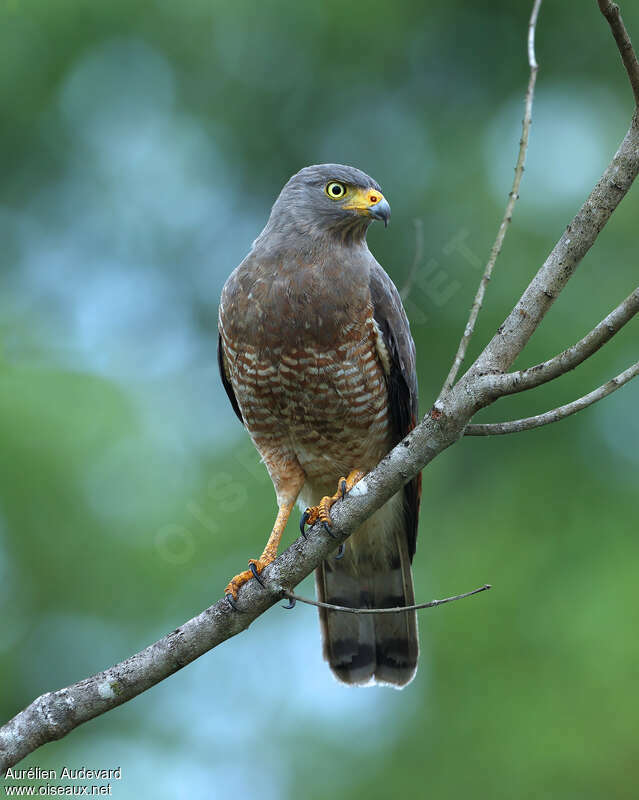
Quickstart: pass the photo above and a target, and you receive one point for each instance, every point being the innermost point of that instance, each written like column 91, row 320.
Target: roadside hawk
column 317, row 359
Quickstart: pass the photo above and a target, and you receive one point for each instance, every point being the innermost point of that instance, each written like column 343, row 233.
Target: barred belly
column 326, row 407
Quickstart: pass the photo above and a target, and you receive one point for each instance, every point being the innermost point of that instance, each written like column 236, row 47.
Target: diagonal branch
column 55, row 714
column 508, row 213
column 528, row 423
column 513, row 334
column 513, row 382
column 611, row 13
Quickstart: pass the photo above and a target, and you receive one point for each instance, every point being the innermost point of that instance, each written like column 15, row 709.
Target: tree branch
column 528, row 423
column 580, row 235
column 611, row 13
column 56, row 713
column 294, row 598
column 510, row 205
column 513, row 382
column 513, row 334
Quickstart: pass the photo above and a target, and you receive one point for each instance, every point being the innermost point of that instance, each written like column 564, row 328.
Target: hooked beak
column 369, row 203
column 381, row 210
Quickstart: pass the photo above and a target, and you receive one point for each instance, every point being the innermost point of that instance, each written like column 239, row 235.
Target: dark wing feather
column 225, row 381
column 402, row 380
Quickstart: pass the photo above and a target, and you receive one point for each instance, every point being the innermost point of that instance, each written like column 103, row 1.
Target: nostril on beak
column 381, row 210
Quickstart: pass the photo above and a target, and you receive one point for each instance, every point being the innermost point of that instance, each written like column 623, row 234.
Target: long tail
column 374, row 572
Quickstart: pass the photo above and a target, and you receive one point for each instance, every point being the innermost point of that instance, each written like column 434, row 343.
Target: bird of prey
column 317, row 359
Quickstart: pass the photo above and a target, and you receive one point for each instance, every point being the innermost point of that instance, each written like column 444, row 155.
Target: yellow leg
column 269, row 554
column 321, row 511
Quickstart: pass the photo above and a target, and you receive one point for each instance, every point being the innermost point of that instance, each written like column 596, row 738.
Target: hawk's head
column 329, row 199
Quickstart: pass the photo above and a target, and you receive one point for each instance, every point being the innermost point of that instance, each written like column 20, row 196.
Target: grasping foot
column 321, row 511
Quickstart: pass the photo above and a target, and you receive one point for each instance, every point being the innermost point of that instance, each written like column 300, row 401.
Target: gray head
column 328, row 200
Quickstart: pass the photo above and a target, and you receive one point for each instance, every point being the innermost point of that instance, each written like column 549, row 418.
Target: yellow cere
column 363, row 199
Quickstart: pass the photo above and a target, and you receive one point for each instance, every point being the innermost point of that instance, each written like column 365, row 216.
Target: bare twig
column 611, row 13
column 419, row 252
column 528, row 423
column 532, row 25
column 510, row 205
column 513, row 334
column 519, row 381
column 432, row 604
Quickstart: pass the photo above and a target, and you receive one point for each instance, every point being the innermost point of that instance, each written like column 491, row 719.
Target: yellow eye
column 335, row 190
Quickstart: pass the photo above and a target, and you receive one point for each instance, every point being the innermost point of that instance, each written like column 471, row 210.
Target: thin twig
column 528, row 423
column 513, row 382
column 398, row 609
column 510, row 205
column 611, row 13
column 532, row 25
column 419, row 251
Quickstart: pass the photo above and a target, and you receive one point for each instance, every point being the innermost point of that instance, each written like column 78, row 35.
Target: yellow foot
column 256, row 565
column 321, row 511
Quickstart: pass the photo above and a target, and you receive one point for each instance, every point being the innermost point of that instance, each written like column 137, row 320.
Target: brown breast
column 299, row 346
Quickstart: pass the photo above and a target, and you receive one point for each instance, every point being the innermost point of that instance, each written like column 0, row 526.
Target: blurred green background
column 142, row 145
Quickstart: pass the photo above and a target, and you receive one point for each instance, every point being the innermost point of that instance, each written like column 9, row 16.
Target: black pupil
column 336, row 190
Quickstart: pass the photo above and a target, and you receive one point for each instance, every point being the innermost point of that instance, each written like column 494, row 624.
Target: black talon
column 340, row 552
column 329, row 530
column 231, row 602
column 256, row 574
column 342, row 487
column 291, row 603
column 303, row 521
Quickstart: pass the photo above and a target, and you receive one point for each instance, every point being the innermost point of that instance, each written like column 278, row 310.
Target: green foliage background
column 142, row 146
